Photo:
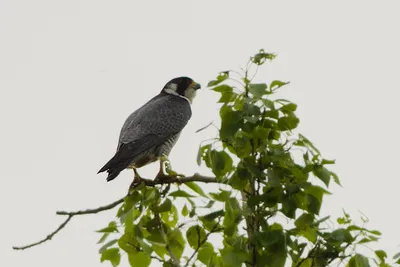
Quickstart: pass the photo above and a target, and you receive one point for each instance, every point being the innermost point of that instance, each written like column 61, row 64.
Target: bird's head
column 183, row 87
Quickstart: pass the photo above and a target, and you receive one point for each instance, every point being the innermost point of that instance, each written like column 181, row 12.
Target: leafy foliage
column 268, row 172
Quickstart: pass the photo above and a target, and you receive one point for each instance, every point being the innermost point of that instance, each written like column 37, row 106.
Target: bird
column 150, row 132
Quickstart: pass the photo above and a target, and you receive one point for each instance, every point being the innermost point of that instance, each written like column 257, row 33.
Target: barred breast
column 155, row 153
column 166, row 148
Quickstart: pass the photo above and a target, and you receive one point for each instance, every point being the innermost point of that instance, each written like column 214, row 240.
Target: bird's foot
column 161, row 177
column 168, row 169
column 137, row 179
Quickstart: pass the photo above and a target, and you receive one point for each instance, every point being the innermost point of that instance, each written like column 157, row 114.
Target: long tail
column 112, row 169
column 122, row 159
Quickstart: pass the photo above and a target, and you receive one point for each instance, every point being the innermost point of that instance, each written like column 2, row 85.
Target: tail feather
column 114, row 166
column 121, row 160
column 106, row 167
column 112, row 169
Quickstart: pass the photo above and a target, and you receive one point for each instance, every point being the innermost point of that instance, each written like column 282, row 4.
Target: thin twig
column 148, row 182
column 92, row 211
column 200, row 243
column 49, row 237
column 167, row 247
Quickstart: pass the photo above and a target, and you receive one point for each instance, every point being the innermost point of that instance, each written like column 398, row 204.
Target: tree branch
column 48, row 237
column 148, row 182
column 92, row 211
column 175, row 179
column 167, row 247
column 215, row 229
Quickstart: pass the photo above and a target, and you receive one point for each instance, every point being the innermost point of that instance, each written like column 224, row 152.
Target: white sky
column 72, row 71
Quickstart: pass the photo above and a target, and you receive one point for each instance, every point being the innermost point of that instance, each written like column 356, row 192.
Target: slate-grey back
column 163, row 115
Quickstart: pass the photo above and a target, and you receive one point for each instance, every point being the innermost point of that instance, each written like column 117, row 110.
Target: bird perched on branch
column 151, row 132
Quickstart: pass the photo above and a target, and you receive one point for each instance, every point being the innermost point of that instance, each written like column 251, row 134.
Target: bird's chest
column 167, row 146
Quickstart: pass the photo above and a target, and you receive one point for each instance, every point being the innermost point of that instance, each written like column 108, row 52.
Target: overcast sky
column 72, row 71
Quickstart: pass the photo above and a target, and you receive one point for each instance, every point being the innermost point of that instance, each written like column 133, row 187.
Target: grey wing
column 160, row 118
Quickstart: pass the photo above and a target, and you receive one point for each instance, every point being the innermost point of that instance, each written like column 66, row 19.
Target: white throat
column 187, row 97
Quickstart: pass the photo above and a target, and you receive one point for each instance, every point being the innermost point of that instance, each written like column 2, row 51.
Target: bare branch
column 49, row 237
column 148, row 182
column 92, row 211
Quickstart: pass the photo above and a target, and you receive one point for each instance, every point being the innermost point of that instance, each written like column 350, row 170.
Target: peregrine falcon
column 151, row 131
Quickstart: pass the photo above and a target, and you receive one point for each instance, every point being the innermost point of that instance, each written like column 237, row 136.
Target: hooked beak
column 196, row 86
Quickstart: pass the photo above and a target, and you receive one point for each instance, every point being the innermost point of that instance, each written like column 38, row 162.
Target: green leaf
column 274, row 259
column 206, row 253
column 150, row 195
column 165, row 206
column 176, row 243
column 358, row 260
column 107, row 245
column 212, row 216
column 288, row 108
column 111, row 255
column 221, row 77
column 258, row 89
column 195, row 236
column 145, row 247
column 155, row 238
column 310, row 234
column 223, row 88
column 159, row 250
column 328, row 161
column 242, row 145
column 129, row 218
column 268, row 103
column 323, row 174
column 276, row 85
column 111, row 228
column 222, row 196
column 139, row 259
column 305, row 263
column 365, row 240
column 227, row 97
column 335, row 178
column 180, row 193
column 381, row 255
column 103, row 238
column 196, row 188
column 313, row 204
column 238, row 181
column 261, row 57
column 233, row 216
column 171, row 217
column 288, row 123
column 304, row 221
column 270, row 238
column 201, row 153
column 342, row 236
column 397, row 255
column 316, row 191
column 231, row 122
column 374, row 232
column 304, row 142
column 185, row 211
column 127, row 242
column 221, row 163
column 233, row 257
